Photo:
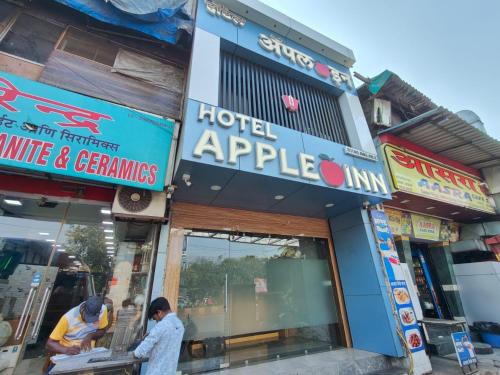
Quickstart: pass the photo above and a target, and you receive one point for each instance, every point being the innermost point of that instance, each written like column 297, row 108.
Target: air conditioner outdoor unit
column 134, row 202
column 381, row 113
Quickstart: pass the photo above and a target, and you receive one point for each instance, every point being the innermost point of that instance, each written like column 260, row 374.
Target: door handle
column 41, row 311
column 225, row 293
column 25, row 313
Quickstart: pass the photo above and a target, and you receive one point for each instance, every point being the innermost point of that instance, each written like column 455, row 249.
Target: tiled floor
column 335, row 362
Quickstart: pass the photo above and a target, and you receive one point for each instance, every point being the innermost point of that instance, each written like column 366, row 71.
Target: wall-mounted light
column 13, row 202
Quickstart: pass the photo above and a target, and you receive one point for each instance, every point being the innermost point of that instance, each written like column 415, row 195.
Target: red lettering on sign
column 142, row 169
column 125, row 169
column 81, row 161
column 35, row 145
column 77, row 117
column 152, row 174
column 113, row 168
column 432, row 170
column 103, row 165
column 44, row 154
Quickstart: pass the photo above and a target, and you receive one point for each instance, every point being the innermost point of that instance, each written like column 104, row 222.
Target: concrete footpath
column 489, row 364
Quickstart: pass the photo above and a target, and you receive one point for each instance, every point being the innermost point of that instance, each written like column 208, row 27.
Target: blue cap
column 92, row 308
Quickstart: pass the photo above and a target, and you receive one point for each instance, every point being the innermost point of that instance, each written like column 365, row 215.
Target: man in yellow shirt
column 78, row 329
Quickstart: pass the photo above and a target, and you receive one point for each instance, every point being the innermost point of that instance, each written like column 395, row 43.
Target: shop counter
column 82, row 364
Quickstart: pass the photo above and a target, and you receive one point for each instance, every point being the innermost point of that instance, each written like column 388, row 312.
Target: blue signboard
column 36, row 279
column 219, row 137
column 293, row 59
column 47, row 129
column 464, row 348
column 399, row 288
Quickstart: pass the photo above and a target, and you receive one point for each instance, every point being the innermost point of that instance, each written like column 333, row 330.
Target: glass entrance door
column 28, row 242
column 246, row 298
column 203, row 303
column 281, row 298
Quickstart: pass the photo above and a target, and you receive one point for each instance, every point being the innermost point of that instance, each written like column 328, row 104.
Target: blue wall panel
column 215, row 25
column 372, row 324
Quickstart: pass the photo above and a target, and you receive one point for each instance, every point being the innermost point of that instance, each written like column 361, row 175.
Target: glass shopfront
column 54, row 254
column 250, row 297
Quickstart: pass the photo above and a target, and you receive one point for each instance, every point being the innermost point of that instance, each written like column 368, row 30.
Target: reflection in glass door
column 203, row 303
column 55, row 254
column 28, row 239
column 281, row 298
column 247, row 298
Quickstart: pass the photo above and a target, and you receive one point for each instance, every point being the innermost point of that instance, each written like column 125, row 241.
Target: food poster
column 445, row 231
column 455, row 232
column 406, row 228
column 464, row 348
column 449, row 231
column 425, row 227
column 394, row 217
column 399, row 222
column 395, row 274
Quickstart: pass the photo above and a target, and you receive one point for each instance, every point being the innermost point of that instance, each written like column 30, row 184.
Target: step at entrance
column 335, row 362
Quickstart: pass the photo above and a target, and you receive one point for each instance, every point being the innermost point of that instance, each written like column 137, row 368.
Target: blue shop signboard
column 50, row 130
column 219, row 137
column 292, row 58
column 464, row 349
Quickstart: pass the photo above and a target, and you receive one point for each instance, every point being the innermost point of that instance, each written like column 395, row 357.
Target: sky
column 447, row 49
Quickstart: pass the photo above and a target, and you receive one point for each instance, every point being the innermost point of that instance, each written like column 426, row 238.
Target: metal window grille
column 255, row 91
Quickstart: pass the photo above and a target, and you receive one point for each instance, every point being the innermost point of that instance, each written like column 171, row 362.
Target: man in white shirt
column 163, row 343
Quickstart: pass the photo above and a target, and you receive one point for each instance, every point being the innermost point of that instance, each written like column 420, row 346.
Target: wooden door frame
column 193, row 216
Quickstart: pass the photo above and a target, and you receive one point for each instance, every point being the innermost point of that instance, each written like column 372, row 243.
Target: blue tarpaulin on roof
column 160, row 19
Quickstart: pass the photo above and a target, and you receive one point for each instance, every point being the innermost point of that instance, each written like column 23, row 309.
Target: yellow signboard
column 415, row 174
column 425, row 227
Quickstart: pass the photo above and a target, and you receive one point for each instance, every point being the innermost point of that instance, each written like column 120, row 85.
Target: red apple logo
column 330, row 171
column 321, row 69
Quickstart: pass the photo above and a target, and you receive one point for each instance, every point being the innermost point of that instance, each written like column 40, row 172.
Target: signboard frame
column 47, row 129
column 422, row 176
column 466, row 355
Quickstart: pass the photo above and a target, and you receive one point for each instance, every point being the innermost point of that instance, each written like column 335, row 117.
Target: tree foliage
column 205, row 278
column 88, row 245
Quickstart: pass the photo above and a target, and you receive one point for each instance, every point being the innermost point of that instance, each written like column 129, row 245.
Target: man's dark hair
column 159, row 304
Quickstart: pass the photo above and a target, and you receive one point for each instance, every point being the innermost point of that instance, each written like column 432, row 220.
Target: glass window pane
column 6, row 12
column 95, row 255
column 31, row 38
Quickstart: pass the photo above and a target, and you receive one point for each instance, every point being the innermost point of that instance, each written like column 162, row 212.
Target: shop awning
column 160, row 19
column 444, row 133
column 390, row 86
